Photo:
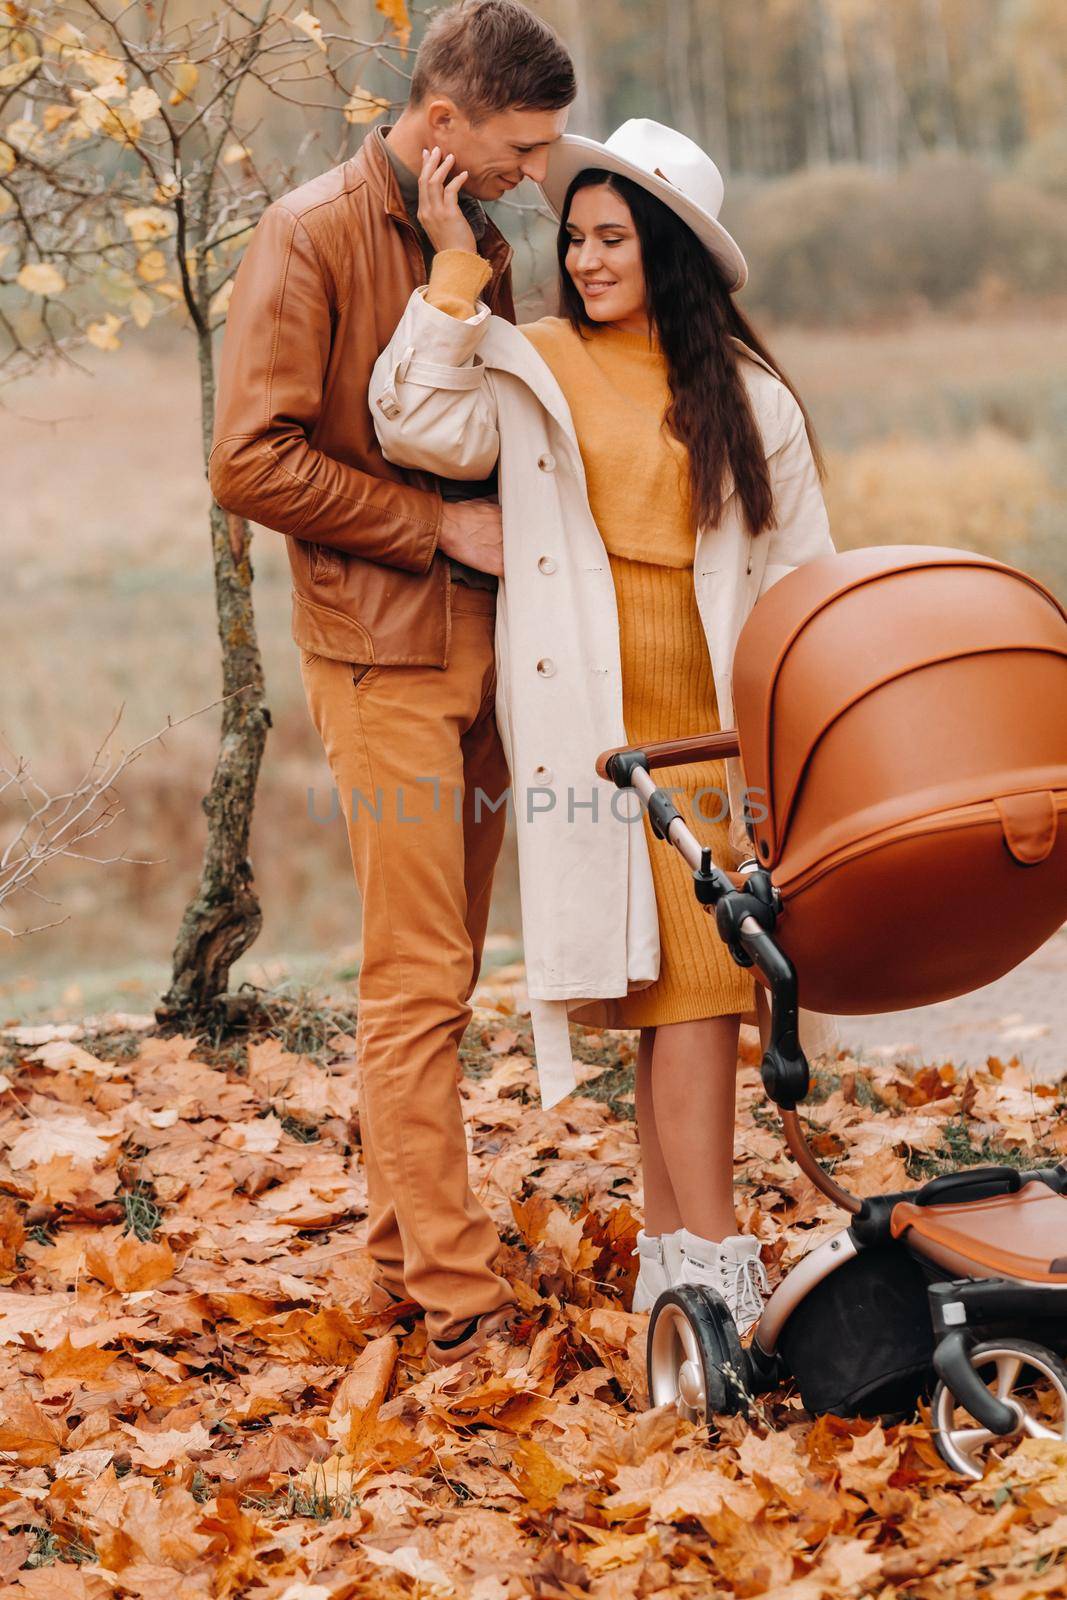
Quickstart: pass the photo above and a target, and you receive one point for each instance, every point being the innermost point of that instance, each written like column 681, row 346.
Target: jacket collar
column 381, row 179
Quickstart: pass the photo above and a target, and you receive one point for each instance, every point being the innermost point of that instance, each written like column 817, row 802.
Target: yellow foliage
column 397, row 13
column 102, row 334
column 220, row 302
column 140, row 308
column 186, row 74
column 364, row 107
column 979, row 493
column 41, row 277
column 310, row 24
column 152, row 266
column 148, row 224
column 55, row 115
column 18, row 71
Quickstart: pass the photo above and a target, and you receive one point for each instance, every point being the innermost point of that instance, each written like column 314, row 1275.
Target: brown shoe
column 381, row 1300
column 493, row 1325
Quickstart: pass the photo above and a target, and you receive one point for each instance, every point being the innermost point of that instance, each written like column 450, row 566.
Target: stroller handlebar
column 746, row 911
column 668, row 753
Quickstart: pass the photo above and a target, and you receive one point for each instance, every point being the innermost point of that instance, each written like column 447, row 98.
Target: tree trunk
column 715, row 115
column 816, row 113
column 678, row 40
column 842, row 122
column 224, row 917
column 879, row 123
column 939, row 75
column 587, row 113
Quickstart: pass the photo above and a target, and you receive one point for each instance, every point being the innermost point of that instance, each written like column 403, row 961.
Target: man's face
column 500, row 150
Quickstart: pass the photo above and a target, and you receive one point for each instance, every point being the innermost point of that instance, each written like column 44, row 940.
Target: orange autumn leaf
column 12, row 1238
column 130, row 1264
column 360, row 1394
column 539, row 1478
column 396, row 12
column 84, row 1363
column 30, row 1432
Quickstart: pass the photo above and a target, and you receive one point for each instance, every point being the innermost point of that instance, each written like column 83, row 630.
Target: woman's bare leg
column 693, row 1081
column 661, row 1207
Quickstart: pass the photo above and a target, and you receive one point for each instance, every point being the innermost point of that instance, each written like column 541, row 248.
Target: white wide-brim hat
column 667, row 164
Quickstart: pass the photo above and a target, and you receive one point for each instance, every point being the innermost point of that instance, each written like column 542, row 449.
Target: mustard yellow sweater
column 615, row 384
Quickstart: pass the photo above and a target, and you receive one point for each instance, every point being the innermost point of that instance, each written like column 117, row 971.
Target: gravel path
column 1024, row 1014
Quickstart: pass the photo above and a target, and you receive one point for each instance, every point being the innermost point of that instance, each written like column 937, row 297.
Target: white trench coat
column 455, row 397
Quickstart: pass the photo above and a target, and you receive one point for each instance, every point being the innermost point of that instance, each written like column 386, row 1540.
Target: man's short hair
column 492, row 55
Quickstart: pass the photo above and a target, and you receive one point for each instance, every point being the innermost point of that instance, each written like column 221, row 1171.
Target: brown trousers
column 417, row 760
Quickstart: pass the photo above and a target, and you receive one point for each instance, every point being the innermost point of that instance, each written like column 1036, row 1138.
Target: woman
column 675, row 479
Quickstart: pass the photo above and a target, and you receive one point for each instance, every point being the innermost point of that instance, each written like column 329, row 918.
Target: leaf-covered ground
column 194, row 1402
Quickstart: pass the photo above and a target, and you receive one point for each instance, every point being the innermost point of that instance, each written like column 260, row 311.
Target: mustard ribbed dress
column 637, row 474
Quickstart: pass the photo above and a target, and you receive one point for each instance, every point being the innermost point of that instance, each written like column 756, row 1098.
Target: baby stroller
column 902, row 714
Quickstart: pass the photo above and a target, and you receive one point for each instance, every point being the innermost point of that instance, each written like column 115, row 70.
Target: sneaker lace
column 748, row 1287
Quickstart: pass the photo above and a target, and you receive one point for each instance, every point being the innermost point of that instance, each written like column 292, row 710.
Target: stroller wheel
column 1012, row 1369
column 695, row 1359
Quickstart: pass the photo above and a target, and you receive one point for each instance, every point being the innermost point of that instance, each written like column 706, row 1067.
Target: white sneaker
column 661, row 1262
column 733, row 1267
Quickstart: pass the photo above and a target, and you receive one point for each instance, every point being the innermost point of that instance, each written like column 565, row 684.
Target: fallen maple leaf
column 159, row 1448
column 130, row 1264
column 360, row 1394
column 34, row 1435
column 65, row 1134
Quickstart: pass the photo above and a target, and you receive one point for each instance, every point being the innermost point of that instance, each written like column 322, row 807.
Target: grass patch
column 958, row 1150
column 141, row 1214
column 612, row 1087
column 49, row 1549
column 315, row 1500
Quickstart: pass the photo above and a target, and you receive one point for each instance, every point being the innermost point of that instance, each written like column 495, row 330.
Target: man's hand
column 446, row 226
column 472, row 532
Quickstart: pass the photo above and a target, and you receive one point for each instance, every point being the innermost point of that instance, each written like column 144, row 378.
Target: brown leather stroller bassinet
column 904, row 711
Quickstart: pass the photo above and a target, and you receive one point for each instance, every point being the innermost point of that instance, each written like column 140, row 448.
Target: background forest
column 897, row 175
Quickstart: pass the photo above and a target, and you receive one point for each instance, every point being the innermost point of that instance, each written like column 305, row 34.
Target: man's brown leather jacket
column 319, row 293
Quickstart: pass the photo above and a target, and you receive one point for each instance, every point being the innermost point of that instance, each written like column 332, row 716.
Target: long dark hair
column 693, row 312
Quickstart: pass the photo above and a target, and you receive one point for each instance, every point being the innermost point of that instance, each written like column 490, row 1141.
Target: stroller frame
column 695, row 1357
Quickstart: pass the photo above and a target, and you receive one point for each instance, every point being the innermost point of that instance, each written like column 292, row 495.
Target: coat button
column 547, row 463
column 546, row 667
column 546, row 564
column 544, row 774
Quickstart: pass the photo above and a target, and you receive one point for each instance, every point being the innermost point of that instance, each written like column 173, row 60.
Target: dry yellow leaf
column 102, row 334
column 220, row 304
column 186, row 75
column 130, row 1264
column 397, row 13
column 41, row 277
column 148, row 223
column 234, row 153
column 152, row 266
column 54, row 115
column 7, row 158
column 308, row 23
column 18, row 71
column 364, row 107
column 144, row 104
column 140, row 308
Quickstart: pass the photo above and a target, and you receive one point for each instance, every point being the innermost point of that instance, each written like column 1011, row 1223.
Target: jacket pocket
column 325, row 563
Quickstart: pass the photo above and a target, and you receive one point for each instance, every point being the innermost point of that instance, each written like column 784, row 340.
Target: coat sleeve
column 432, row 403
column 263, row 464
column 803, row 529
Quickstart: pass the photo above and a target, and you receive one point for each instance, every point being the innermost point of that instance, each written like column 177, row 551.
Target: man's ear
column 441, row 118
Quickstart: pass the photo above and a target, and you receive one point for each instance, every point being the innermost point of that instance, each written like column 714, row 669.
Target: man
column 394, row 578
